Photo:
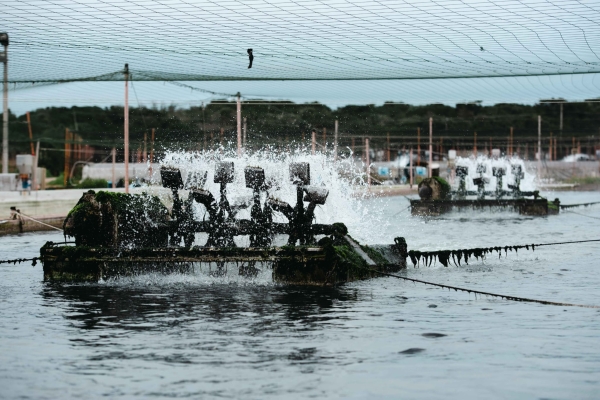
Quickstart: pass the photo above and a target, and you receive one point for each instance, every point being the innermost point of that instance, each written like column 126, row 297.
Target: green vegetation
column 589, row 180
column 281, row 122
column 88, row 183
column 446, row 188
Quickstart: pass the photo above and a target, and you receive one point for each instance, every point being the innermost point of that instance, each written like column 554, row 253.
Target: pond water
column 202, row 337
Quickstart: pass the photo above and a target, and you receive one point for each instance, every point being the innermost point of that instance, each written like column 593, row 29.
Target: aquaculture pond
column 197, row 336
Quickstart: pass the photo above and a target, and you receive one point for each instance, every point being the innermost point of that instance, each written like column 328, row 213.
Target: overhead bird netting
column 315, row 40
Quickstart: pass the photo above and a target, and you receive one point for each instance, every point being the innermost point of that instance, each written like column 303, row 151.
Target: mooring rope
column 579, row 205
column 583, row 215
column 503, row 296
column 444, row 256
column 20, row 260
column 39, row 222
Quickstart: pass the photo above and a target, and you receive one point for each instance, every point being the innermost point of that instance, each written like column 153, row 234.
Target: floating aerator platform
column 121, row 234
column 436, row 196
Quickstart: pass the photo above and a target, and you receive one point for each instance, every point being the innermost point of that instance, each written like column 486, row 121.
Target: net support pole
column 114, row 161
column 410, row 163
column 239, row 125
column 244, row 134
column 126, row 123
column 36, row 160
column 368, row 163
column 539, row 146
column 430, row 146
column 335, row 141
column 5, row 112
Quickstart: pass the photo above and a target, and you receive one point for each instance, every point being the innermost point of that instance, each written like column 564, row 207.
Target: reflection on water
column 92, row 306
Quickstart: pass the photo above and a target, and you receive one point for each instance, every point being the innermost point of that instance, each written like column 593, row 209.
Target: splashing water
column 342, row 178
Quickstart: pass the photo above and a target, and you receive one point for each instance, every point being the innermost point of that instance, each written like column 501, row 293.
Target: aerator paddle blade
column 224, row 172
column 300, row 173
column 171, row 178
column 314, row 194
column 195, row 180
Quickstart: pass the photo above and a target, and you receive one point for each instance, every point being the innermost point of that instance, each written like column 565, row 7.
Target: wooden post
column 510, row 141
column 36, row 159
column 151, row 150
column 555, row 146
column 126, row 128
column 368, row 163
column 410, row 163
column 145, row 157
column 314, row 141
column 335, row 141
column 324, row 139
column 419, row 146
column 245, row 133
column 221, row 137
column 239, row 125
column 388, row 147
column 67, row 156
column 114, row 161
column 430, row 146
column 550, row 148
column 475, row 144
column 352, row 145
column 30, row 133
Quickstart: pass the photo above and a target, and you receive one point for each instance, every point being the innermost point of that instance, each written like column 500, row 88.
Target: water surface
column 201, row 337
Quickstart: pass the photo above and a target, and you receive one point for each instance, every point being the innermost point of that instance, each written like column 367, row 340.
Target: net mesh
column 168, row 40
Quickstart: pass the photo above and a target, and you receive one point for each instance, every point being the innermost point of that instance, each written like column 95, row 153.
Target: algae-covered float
column 120, row 234
column 437, row 197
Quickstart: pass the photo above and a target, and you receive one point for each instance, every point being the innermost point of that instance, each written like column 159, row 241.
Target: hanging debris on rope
column 443, row 256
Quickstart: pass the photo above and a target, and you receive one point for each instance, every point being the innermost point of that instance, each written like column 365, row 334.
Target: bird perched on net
column 251, row 57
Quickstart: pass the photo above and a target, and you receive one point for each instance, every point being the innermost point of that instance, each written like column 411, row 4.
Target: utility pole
column 335, row 141
column 430, row 145
column 126, row 128
column 4, row 59
column 239, row 126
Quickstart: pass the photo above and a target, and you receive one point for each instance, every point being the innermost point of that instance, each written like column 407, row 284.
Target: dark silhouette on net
column 251, row 57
